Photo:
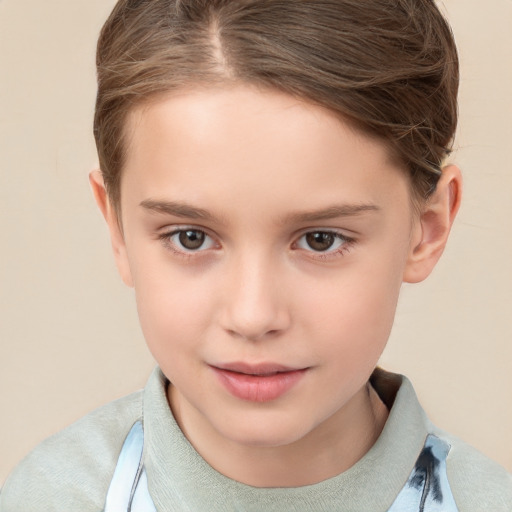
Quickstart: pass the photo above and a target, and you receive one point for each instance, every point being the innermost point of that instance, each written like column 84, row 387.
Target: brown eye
column 320, row 240
column 191, row 239
column 187, row 241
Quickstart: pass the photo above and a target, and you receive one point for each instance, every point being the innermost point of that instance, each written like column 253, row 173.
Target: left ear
column 431, row 231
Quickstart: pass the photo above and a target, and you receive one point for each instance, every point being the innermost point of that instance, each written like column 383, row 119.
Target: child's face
column 261, row 234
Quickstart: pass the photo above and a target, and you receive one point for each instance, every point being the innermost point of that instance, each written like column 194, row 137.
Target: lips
column 258, row 382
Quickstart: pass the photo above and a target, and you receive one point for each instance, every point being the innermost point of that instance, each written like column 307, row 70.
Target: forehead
column 250, row 146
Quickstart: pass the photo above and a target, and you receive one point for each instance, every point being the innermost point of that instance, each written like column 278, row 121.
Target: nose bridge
column 255, row 305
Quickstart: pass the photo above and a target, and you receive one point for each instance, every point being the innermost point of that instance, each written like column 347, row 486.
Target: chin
column 261, row 433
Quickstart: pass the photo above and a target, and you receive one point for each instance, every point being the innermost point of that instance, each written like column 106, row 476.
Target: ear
column 431, row 231
column 116, row 234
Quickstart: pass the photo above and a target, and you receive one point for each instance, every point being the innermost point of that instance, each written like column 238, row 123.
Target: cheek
column 354, row 312
column 173, row 304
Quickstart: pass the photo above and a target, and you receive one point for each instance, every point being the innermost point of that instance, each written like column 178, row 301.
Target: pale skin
column 224, row 197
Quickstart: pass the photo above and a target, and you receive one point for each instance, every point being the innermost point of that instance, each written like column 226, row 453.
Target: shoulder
column 477, row 482
column 74, row 467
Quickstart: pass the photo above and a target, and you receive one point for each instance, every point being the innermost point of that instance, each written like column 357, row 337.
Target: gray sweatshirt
column 72, row 470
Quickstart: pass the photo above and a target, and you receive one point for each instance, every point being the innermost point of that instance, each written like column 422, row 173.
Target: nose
column 255, row 306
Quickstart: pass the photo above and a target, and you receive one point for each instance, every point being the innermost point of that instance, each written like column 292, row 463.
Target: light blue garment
column 128, row 491
column 426, row 490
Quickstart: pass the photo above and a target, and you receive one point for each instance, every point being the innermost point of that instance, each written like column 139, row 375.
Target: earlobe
column 116, row 236
column 431, row 231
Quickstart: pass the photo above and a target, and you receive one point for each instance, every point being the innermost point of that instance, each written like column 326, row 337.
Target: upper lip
column 256, row 369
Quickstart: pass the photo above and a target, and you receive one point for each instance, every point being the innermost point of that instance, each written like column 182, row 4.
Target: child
column 271, row 172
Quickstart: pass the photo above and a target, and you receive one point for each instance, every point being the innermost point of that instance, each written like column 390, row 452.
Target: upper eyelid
column 343, row 233
column 164, row 237
column 337, row 234
column 168, row 231
column 346, row 246
column 171, row 230
column 303, row 230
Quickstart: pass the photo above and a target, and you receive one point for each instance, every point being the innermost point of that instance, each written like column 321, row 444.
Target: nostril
column 247, row 336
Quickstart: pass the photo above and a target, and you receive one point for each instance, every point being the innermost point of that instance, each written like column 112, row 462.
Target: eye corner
column 323, row 243
column 187, row 241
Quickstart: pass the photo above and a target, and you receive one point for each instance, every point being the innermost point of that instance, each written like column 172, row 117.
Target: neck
column 330, row 449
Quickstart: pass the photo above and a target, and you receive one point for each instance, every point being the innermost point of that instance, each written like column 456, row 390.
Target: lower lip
column 259, row 388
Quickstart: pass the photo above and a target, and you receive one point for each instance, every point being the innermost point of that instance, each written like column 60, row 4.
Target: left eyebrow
column 331, row 212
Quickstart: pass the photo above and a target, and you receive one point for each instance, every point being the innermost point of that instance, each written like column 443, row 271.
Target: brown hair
column 388, row 66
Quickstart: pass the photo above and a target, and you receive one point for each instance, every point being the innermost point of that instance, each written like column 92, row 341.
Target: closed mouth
column 259, row 369
column 258, row 382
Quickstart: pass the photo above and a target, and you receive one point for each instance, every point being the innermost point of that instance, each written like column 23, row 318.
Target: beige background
column 69, row 337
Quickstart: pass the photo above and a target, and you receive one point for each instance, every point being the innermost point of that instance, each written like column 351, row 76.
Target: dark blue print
column 427, row 489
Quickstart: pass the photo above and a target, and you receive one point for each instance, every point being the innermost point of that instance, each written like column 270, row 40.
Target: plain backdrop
column 69, row 335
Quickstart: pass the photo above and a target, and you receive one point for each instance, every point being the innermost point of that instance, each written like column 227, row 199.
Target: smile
column 258, row 383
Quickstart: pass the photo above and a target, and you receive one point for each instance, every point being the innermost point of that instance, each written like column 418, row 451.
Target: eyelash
column 166, row 239
column 347, row 243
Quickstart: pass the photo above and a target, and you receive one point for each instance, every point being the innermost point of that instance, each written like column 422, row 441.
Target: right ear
column 116, row 234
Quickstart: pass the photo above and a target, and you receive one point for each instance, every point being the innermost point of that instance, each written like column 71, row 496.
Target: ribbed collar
column 181, row 480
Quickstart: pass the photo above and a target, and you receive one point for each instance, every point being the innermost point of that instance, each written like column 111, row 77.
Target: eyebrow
column 177, row 209
column 184, row 210
column 331, row 212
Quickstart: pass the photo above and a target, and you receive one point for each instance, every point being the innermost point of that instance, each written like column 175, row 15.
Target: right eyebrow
column 177, row 209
